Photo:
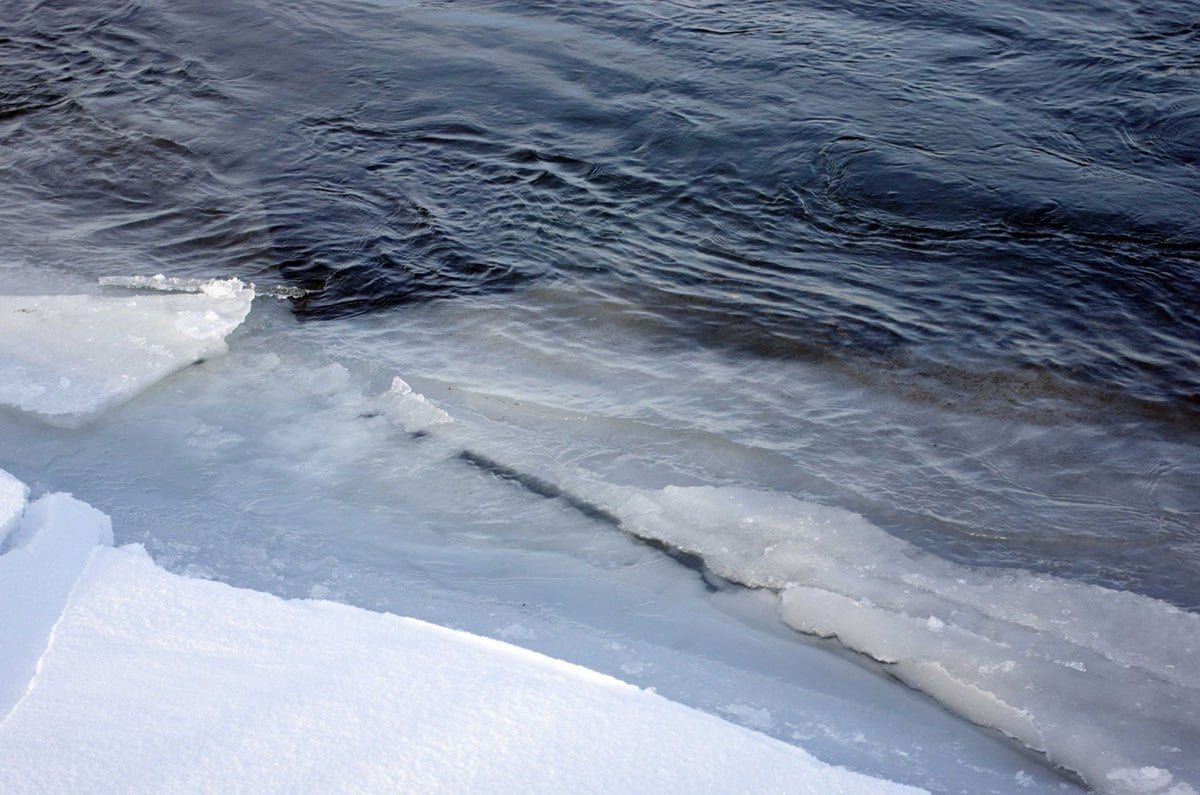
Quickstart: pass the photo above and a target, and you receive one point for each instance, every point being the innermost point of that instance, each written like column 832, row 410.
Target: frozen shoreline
column 286, row 444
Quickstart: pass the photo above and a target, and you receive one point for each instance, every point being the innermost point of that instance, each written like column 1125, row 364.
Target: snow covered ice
column 152, row 681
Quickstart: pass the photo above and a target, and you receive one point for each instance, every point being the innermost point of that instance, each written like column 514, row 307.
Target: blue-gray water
column 991, row 209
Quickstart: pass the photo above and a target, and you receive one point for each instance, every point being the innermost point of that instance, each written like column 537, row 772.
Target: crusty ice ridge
column 1034, row 656
column 148, row 681
column 1102, row 681
column 67, row 357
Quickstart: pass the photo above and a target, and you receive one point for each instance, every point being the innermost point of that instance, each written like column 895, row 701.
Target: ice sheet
column 323, row 490
column 66, row 357
column 1104, row 682
column 153, row 682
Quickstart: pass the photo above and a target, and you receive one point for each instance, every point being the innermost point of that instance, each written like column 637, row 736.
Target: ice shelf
column 149, row 681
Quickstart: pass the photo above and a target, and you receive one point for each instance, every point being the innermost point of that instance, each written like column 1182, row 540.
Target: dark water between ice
column 992, row 207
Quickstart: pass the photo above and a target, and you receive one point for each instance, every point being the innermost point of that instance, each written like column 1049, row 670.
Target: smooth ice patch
column 66, row 357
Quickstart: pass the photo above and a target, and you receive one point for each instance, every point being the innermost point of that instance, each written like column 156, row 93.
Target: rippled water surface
column 992, row 210
column 1007, row 190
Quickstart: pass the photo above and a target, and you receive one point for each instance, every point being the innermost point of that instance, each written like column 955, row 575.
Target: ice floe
column 66, row 357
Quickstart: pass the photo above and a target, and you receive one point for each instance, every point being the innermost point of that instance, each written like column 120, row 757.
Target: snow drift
column 132, row 678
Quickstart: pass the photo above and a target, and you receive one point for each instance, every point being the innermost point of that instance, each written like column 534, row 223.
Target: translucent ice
column 176, row 284
column 411, row 410
column 66, row 357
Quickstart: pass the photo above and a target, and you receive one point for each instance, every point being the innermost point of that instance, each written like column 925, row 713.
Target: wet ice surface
column 291, row 467
column 1036, row 657
column 930, row 265
column 66, row 357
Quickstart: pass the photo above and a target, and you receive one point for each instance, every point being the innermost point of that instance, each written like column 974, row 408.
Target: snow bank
column 66, row 357
column 151, row 681
column 1105, row 682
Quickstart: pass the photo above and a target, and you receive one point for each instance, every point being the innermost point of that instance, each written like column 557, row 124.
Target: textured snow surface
column 152, row 682
column 66, row 357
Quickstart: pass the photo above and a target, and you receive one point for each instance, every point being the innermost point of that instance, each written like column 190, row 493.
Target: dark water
column 1004, row 199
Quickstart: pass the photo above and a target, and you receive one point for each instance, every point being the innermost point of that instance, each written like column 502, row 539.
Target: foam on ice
column 66, row 357
column 177, row 284
column 1104, row 682
column 148, row 681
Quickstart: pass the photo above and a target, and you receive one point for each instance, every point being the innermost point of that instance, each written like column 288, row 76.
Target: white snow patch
column 47, row 550
column 155, row 682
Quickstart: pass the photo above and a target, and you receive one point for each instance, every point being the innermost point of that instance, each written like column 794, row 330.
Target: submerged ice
column 1102, row 681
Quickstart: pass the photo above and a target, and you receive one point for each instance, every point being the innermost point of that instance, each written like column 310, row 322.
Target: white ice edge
column 1102, row 681
column 65, row 358
column 131, row 677
column 48, row 546
column 177, row 284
